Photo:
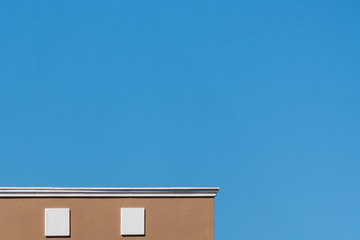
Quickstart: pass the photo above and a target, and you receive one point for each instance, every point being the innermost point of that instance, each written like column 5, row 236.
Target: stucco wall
column 99, row 218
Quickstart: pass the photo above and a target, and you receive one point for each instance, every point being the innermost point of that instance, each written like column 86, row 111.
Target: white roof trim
column 36, row 192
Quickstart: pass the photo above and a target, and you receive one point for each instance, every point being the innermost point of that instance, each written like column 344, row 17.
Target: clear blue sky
column 261, row 98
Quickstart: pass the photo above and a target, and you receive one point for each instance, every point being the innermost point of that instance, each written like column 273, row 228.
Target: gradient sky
column 260, row 98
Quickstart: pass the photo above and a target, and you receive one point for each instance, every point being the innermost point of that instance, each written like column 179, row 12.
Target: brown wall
column 99, row 218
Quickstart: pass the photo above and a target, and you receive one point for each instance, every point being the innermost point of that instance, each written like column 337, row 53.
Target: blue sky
column 260, row 98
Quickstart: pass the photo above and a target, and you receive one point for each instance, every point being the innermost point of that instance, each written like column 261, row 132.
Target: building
column 107, row 213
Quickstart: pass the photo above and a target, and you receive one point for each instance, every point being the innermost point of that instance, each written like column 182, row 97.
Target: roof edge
column 84, row 192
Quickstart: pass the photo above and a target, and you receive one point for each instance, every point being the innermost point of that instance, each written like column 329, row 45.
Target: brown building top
column 107, row 213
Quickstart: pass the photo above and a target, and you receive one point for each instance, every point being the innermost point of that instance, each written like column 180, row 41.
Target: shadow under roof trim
column 12, row 192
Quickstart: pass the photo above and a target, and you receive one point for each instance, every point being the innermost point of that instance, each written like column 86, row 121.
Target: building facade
column 107, row 213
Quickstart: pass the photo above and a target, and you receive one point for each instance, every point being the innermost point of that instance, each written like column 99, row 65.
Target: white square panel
column 57, row 222
column 132, row 221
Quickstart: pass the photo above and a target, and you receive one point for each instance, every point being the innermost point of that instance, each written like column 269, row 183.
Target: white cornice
column 37, row 192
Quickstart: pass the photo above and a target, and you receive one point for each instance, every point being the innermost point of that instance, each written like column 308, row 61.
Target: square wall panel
column 57, row 222
column 132, row 221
